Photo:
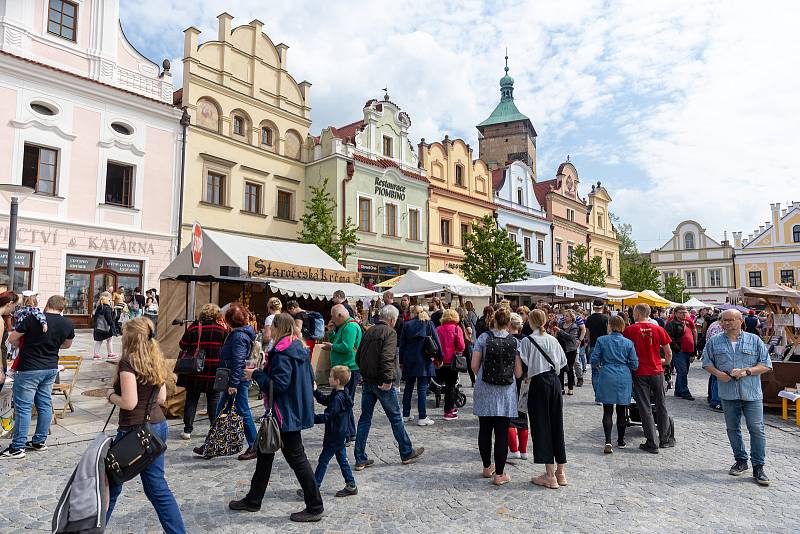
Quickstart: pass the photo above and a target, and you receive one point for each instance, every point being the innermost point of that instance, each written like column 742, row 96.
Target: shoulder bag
column 268, row 438
column 192, row 360
column 101, row 324
column 135, row 451
column 546, row 356
column 459, row 363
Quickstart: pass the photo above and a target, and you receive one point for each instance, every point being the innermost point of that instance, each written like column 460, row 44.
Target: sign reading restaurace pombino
column 261, row 268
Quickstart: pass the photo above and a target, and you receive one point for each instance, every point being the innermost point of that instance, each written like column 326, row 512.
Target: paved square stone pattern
column 685, row 489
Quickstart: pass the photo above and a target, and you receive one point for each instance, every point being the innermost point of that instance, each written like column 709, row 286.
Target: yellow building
column 771, row 254
column 603, row 242
column 249, row 122
column 460, row 194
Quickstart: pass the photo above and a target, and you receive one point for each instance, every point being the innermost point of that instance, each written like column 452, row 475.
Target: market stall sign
column 262, row 268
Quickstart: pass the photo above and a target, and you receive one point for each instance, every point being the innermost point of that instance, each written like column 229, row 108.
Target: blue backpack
column 314, row 326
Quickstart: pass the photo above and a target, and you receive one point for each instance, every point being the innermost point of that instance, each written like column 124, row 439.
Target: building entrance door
column 101, row 280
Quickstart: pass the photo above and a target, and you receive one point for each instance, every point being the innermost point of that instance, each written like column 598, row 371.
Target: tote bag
column 226, row 435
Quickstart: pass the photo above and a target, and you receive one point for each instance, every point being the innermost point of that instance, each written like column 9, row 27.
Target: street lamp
column 14, row 194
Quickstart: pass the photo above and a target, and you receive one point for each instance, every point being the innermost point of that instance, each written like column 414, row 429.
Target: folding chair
column 70, row 363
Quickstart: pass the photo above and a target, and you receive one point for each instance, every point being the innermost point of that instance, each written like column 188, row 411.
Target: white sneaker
column 425, row 422
column 408, row 419
column 186, row 435
column 523, row 456
column 514, row 455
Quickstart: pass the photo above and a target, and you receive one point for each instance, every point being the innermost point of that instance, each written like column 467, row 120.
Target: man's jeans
column 422, row 394
column 341, row 458
column 753, row 412
column 155, row 489
column 681, row 362
column 370, row 395
column 242, row 405
column 582, row 358
column 350, row 388
column 32, row 388
column 713, row 391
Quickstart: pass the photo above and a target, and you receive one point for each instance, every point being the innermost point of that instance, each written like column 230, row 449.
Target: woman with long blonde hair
column 139, row 391
column 288, row 373
column 106, row 312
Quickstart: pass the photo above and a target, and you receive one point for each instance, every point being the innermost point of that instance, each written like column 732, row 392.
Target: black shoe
column 305, row 517
column 249, row 454
column 667, row 444
column 579, row 383
column 360, row 466
column 652, row 449
column 621, row 443
column 760, row 476
column 300, row 493
column 31, row 446
column 12, row 454
column 738, row 468
column 416, row 453
column 243, row 506
column 715, row 407
column 347, row 491
column 688, row 397
column 349, row 442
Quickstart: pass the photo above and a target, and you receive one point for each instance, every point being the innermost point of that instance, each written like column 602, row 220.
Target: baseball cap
column 598, row 303
column 29, row 293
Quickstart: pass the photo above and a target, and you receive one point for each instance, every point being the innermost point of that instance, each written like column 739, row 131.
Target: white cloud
column 697, row 99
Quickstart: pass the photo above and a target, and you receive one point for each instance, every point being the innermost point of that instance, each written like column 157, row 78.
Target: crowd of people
column 522, row 363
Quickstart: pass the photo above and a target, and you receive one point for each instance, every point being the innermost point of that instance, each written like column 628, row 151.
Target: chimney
column 776, row 214
column 190, row 40
column 224, row 26
column 305, row 90
column 737, row 239
column 282, row 48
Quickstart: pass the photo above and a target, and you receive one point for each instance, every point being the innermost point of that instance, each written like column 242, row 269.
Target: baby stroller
column 633, row 417
column 437, row 388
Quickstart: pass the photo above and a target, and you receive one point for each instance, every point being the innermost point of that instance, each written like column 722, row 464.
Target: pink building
column 88, row 122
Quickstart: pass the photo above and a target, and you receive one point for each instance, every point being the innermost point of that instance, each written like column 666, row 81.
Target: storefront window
column 88, row 276
column 23, row 268
column 373, row 273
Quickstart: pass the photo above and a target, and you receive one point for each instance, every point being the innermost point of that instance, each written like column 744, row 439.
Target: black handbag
column 192, row 361
column 221, row 379
column 136, row 450
column 101, row 325
column 459, row 363
column 268, row 438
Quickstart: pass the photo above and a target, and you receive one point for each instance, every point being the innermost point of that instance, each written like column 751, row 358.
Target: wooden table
column 787, row 396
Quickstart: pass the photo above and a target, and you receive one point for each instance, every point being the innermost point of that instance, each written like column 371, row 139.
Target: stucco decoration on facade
column 770, row 254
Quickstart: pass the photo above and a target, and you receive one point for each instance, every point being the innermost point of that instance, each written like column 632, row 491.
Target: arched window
column 292, row 145
column 519, row 196
column 796, row 233
column 240, row 125
column 208, row 114
column 269, row 136
column 688, row 240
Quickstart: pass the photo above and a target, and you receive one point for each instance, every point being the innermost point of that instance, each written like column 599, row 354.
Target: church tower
column 507, row 135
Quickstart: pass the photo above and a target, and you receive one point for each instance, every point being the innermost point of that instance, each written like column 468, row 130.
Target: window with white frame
column 390, row 227
column 787, row 276
column 688, row 241
column 526, row 247
column 413, row 224
column 558, row 254
column 365, row 214
column 446, row 237
column 62, row 19
column 691, row 278
column 40, row 168
column 715, row 278
column 119, row 184
column 754, row 277
column 540, row 251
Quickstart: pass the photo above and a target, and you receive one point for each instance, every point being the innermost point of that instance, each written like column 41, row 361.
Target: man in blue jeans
column 37, row 370
column 376, row 359
column 737, row 359
column 682, row 331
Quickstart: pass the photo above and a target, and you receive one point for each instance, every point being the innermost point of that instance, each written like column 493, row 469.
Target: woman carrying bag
column 452, row 339
column 288, row 379
column 139, row 391
column 105, row 327
column 545, row 358
column 417, row 341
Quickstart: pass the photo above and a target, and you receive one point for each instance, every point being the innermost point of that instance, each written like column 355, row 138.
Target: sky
column 683, row 109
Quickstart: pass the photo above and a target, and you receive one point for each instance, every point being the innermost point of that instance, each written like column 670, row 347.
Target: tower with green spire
column 507, row 135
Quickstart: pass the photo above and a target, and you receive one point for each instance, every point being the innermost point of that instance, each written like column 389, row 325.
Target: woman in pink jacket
column 452, row 339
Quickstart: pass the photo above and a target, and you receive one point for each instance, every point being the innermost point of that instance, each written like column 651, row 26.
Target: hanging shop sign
column 262, row 268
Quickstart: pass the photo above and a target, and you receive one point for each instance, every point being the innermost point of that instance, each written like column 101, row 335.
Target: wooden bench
column 70, row 363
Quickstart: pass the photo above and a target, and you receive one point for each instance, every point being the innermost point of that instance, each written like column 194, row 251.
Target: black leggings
column 608, row 416
column 569, row 369
column 498, row 425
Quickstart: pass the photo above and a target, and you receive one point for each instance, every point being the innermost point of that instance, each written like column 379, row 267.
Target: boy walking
column 338, row 411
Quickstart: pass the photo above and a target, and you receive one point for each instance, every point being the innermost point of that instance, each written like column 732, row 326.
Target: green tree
column 490, row 256
column 584, row 270
column 636, row 273
column 319, row 225
column 675, row 289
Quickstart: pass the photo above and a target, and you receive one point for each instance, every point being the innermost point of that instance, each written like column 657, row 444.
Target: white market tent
column 312, row 289
column 553, row 286
column 424, row 282
column 696, row 303
column 620, row 294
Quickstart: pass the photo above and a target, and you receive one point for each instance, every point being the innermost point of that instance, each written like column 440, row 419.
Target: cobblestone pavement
column 685, row 489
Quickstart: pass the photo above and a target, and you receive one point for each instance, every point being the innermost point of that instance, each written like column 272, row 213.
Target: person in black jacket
column 339, row 409
column 108, row 327
column 388, row 299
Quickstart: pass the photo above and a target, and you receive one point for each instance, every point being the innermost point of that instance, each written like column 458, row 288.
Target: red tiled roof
column 349, row 130
column 386, row 163
column 56, row 69
column 541, row 189
column 177, row 97
column 498, row 178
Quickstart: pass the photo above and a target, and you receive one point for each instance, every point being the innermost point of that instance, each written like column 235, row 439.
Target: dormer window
column 460, row 175
column 238, row 125
column 387, row 146
column 688, row 241
column 519, row 196
column 62, row 19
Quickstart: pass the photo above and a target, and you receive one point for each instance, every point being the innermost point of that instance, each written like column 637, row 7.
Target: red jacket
column 452, row 339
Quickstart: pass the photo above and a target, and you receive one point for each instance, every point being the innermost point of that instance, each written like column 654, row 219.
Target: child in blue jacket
column 339, row 409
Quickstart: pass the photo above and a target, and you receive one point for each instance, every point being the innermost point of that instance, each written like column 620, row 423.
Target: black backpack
column 498, row 360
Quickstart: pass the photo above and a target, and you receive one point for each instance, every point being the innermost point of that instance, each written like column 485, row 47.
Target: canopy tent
column 621, row 294
column 312, row 289
column 726, row 306
column 651, row 298
column 390, row 282
column 696, row 303
column 553, row 286
column 425, row 282
column 775, row 294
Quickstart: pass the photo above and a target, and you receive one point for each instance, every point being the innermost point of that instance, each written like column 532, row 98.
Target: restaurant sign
column 261, row 268
column 387, row 189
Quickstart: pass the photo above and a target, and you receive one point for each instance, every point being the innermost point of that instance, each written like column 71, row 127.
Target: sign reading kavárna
column 261, row 268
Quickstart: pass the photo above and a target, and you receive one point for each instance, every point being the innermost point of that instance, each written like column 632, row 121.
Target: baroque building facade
column 88, row 124
column 602, row 240
column 703, row 263
column 460, row 194
column 373, row 175
column 771, row 254
column 245, row 154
